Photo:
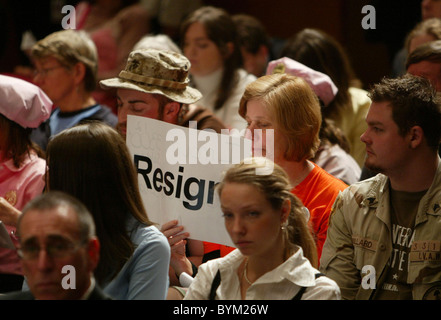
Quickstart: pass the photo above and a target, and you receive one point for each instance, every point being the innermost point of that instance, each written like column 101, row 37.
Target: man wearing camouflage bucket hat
column 155, row 84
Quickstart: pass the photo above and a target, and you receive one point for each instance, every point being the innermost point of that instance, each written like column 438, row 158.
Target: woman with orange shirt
column 284, row 118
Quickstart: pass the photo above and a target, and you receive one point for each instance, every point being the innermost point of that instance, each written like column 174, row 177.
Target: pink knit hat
column 322, row 85
column 23, row 102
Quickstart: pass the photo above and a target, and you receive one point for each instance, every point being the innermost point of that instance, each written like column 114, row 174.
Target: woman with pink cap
column 23, row 106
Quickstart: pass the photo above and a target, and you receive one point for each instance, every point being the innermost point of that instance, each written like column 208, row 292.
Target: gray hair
column 55, row 199
column 70, row 47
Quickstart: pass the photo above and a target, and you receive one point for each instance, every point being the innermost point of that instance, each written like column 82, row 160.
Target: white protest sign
column 178, row 169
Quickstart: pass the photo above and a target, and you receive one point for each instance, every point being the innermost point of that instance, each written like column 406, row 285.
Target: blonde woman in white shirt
column 276, row 255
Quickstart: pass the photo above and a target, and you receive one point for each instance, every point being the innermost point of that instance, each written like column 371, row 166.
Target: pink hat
column 322, row 85
column 23, row 102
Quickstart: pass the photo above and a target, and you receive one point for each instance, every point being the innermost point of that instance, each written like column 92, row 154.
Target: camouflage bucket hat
column 157, row 72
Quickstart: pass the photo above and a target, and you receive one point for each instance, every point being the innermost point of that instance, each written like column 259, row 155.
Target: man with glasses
column 66, row 67
column 58, row 249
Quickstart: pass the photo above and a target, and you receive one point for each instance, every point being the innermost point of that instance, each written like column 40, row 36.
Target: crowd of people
column 340, row 177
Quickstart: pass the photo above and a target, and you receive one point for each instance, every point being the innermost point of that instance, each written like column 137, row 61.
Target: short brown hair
column 430, row 51
column 414, row 102
column 252, row 33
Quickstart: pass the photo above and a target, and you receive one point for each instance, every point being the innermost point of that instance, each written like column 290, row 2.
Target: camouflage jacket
column 359, row 235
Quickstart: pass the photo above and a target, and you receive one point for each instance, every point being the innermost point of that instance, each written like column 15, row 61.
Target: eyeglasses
column 53, row 250
column 43, row 72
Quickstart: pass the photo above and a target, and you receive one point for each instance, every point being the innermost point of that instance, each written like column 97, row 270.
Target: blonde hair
column 276, row 187
column 295, row 110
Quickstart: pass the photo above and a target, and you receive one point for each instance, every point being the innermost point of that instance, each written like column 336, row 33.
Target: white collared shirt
column 281, row 283
column 229, row 113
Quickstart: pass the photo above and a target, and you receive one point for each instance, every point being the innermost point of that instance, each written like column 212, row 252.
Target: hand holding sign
column 177, row 240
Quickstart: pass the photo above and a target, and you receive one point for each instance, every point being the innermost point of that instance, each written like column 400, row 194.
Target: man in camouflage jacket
column 384, row 236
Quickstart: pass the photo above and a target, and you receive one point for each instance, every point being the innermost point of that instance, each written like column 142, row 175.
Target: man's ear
column 416, row 136
column 93, row 251
column 79, row 70
column 171, row 112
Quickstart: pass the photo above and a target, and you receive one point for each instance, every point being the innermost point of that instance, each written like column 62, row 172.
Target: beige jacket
column 359, row 234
